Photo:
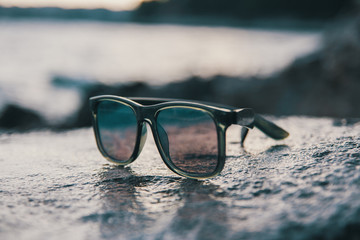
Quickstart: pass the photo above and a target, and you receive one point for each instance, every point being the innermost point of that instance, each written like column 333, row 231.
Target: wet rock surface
column 58, row 186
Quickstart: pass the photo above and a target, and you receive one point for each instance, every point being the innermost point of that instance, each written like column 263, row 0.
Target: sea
column 34, row 52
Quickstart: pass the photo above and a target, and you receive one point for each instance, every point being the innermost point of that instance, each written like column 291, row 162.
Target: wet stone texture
column 58, row 186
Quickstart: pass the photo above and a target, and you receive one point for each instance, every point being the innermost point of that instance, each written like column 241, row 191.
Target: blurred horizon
column 113, row 5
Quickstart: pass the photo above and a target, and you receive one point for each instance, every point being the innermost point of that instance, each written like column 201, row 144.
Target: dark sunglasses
column 189, row 135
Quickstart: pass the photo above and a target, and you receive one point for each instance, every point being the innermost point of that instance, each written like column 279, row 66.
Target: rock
column 303, row 187
column 18, row 118
column 326, row 83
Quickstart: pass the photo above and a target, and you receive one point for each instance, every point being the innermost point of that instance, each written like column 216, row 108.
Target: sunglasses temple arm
column 245, row 117
column 267, row 127
column 243, row 134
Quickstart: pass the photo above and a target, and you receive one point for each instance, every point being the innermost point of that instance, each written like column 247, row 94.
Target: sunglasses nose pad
column 143, row 137
column 163, row 139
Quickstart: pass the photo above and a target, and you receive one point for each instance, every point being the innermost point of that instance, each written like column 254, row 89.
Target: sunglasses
column 189, row 135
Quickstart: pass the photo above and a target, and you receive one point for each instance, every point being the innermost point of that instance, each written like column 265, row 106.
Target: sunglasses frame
column 146, row 110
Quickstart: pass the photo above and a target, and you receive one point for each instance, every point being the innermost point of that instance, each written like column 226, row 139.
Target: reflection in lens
column 117, row 127
column 191, row 139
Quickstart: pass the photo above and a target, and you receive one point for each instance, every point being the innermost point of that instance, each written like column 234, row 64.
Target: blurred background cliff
column 279, row 57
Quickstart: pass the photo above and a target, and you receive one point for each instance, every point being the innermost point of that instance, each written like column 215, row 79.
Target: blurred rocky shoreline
column 324, row 83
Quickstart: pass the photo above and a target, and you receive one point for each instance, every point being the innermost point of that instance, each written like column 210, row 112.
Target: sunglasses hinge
column 244, row 117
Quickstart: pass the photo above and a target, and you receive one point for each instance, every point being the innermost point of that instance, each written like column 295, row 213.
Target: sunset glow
column 116, row 5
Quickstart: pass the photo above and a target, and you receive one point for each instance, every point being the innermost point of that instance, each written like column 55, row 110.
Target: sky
column 116, row 5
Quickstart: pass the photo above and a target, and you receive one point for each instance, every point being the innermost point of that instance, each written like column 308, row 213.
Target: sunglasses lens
column 117, row 128
column 189, row 137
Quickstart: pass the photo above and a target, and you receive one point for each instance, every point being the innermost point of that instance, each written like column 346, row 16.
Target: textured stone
column 58, row 186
